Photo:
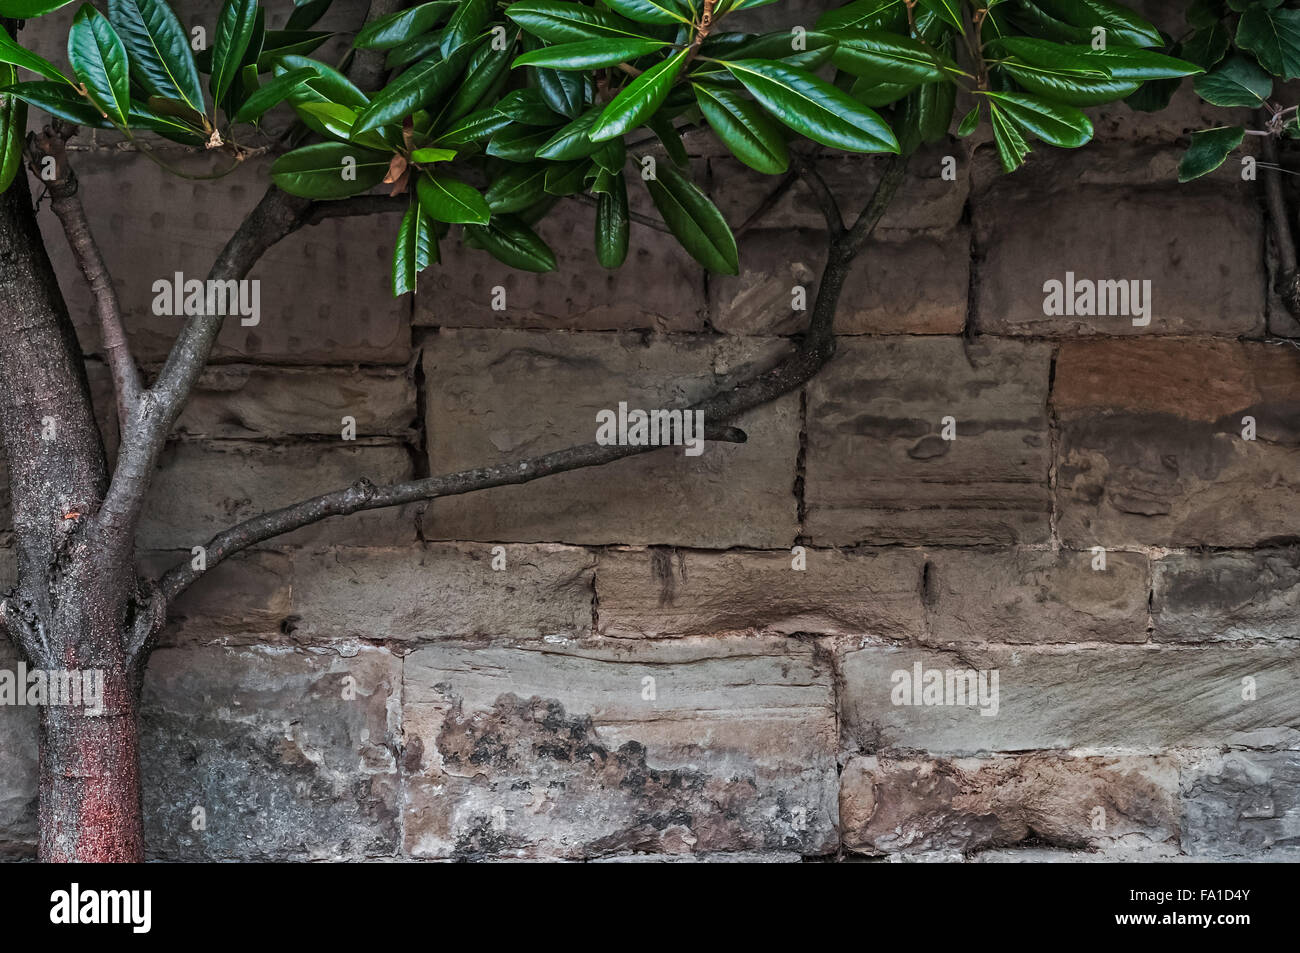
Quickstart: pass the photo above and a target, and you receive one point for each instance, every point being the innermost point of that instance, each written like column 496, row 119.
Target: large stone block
column 1111, row 697
column 658, row 592
column 968, row 804
column 1152, row 448
column 879, row 468
column 1243, row 804
column 914, row 285
column 324, row 291
column 444, row 591
column 234, row 401
column 203, row 488
column 1103, row 221
column 1035, row 596
column 671, row 748
column 244, row 599
column 1202, row 597
column 290, row 755
column 502, row 396
column 19, row 770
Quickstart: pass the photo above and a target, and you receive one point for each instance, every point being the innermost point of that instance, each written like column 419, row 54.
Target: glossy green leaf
column 890, row 58
column 11, row 52
column 13, row 130
column 949, row 11
column 590, row 54
column 510, row 241
column 516, row 188
column 1069, row 88
column 486, row 68
column 925, row 116
column 518, row 143
column 418, row 87
column 574, row 140
column 747, row 131
column 1273, row 35
column 474, row 127
column 29, row 9
column 865, row 14
column 612, row 223
column 528, row 107
column 416, row 48
column 670, row 139
column 652, row 11
column 60, row 99
column 969, row 122
column 161, row 58
column 814, row 108
column 1010, row 144
column 566, row 178
column 561, row 22
column 694, row 220
column 807, row 51
column 235, row 26
column 98, row 60
column 416, row 249
column 329, row 170
column 1235, row 82
column 167, row 126
column 464, row 26
column 1209, row 149
column 278, row 44
column 1122, row 25
column 432, row 154
column 396, row 28
column 272, row 93
column 452, row 201
column 1054, row 123
column 875, row 94
column 327, row 85
column 639, row 99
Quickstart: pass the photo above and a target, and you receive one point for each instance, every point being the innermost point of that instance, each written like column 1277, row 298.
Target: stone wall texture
column 702, row 657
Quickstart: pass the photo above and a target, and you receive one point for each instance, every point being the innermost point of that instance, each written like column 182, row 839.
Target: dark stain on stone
column 929, row 447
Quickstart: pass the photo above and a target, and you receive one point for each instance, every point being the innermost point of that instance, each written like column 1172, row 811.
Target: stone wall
column 650, row 673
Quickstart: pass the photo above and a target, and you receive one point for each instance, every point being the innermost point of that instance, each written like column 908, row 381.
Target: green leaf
column 652, row 11
column 520, row 143
column 416, row 48
column 418, row 87
column 1274, row 37
column 1123, row 26
column 1209, row 149
column 1054, row 123
column 483, row 75
column 611, row 155
column 1206, row 47
column 969, row 122
column 566, row 178
column 329, row 170
column 170, row 127
column 925, row 116
column 449, row 200
column 59, row 99
column 561, row 22
column 11, row 52
column 612, row 223
column 590, row 54
column 1235, row 82
column 416, row 249
column 29, row 9
column 814, row 108
column 396, row 28
column 671, row 140
column 432, row 154
column 807, row 51
column 528, row 107
column 235, row 26
column 272, row 94
column 639, row 99
column 744, row 128
column 949, row 11
column 1011, row 145
column 13, row 131
column 464, row 25
column 161, row 59
column 99, row 61
column 889, row 58
column 573, row 141
column 1061, row 58
column 866, row 14
column 517, row 188
column 327, row 85
column 278, row 44
column 510, row 241
column 1069, row 88
column 871, row 93
column 474, row 127
column 694, row 220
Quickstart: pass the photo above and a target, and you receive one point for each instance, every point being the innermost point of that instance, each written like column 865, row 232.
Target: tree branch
column 812, row 354
column 66, row 203
column 821, row 193
column 1287, row 282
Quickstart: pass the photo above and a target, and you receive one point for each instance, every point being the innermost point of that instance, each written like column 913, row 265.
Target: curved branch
column 812, row 354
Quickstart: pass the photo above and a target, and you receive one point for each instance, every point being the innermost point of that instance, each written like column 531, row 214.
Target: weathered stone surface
column 911, row 286
column 1035, row 596
column 1126, row 697
column 1227, row 596
column 1243, row 803
column 249, row 401
column 878, row 469
column 683, row 747
column 1151, row 448
column 443, row 591
column 659, row 287
column 324, row 292
column 925, row 201
column 658, row 592
column 291, row 755
column 201, row 489
column 503, row 396
column 1103, row 225
column 19, row 770
column 242, row 599
column 969, row 804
